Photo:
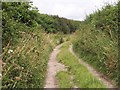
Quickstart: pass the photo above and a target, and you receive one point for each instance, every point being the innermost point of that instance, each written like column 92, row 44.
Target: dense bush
column 26, row 48
column 26, row 61
column 55, row 24
column 97, row 41
column 16, row 17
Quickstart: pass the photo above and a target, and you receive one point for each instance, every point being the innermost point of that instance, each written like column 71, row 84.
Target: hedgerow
column 96, row 41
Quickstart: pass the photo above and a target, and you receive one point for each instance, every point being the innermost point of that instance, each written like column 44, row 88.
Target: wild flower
column 10, row 51
column 22, row 68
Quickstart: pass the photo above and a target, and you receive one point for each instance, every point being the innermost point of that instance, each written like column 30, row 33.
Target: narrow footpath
column 53, row 68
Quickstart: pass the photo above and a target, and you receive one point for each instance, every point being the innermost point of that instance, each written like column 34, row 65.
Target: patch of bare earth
column 98, row 75
column 53, row 68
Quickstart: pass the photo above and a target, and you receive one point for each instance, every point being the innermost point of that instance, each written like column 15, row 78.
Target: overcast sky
column 71, row 9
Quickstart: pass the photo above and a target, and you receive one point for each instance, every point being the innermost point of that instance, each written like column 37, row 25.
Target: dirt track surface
column 53, row 68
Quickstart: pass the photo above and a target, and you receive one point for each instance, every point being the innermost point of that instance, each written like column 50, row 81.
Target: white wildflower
column 10, row 51
column 22, row 67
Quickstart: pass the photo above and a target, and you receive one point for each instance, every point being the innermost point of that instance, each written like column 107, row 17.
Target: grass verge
column 64, row 79
column 82, row 77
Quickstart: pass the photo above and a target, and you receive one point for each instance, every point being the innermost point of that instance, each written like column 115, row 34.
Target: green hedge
column 96, row 41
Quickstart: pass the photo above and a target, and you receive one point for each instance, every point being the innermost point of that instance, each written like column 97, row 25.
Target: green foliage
column 97, row 41
column 55, row 24
column 64, row 80
column 106, row 20
column 26, row 61
column 16, row 17
column 26, row 48
column 20, row 12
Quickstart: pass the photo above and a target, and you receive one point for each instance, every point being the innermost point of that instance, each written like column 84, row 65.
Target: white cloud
column 72, row 9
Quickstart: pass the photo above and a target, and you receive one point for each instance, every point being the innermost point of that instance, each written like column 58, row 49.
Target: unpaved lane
column 93, row 71
column 53, row 68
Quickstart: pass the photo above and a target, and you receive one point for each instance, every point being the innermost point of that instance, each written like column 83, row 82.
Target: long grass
column 64, row 79
column 26, row 63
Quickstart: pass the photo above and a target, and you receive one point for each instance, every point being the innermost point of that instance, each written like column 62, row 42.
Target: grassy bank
column 26, row 61
column 76, row 74
column 96, row 42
